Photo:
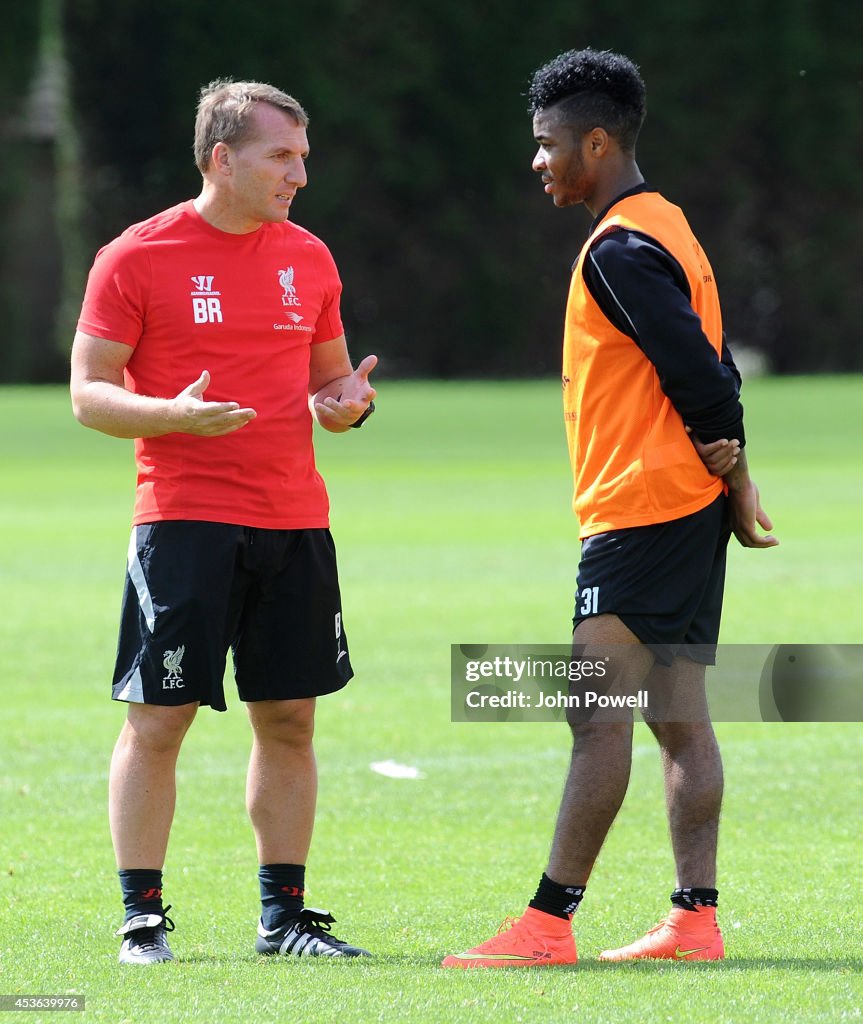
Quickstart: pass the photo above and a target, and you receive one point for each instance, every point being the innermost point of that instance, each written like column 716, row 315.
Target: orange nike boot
column 683, row 935
column 535, row 939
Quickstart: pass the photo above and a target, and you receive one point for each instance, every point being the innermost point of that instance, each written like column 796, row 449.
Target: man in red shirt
column 211, row 334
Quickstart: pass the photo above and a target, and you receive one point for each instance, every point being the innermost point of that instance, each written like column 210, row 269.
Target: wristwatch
column 365, row 415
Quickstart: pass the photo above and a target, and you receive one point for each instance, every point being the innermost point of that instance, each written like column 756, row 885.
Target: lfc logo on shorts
column 174, row 679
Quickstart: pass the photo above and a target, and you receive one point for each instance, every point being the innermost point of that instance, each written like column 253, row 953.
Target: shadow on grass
column 849, row 965
column 741, row 963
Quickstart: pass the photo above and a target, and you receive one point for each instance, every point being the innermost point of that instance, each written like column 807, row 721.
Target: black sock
column 282, row 891
column 689, row 899
column 557, row 900
column 142, row 891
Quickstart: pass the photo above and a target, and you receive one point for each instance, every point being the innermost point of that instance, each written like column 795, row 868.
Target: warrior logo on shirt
column 203, row 283
column 206, row 305
column 286, row 280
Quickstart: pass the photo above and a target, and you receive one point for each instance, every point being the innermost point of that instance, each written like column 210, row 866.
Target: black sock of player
column 555, row 899
column 689, row 899
column 282, row 890
column 142, row 891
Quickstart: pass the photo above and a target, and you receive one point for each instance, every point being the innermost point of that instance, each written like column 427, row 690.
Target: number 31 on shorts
column 589, row 601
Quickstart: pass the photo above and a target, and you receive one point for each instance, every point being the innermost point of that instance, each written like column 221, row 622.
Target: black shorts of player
column 664, row 582
column 195, row 589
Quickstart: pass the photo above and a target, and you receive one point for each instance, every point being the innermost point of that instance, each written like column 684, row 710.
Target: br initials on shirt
column 207, row 310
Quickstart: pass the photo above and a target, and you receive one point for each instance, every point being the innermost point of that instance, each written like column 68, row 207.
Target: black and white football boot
column 145, row 940
column 306, row 935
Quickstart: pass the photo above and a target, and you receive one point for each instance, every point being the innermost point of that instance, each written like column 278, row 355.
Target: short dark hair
column 597, row 89
column 225, row 113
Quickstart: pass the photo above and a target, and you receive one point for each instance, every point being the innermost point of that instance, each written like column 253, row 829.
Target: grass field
column 451, row 514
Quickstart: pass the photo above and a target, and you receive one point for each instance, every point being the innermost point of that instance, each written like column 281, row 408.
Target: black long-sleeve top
column 644, row 292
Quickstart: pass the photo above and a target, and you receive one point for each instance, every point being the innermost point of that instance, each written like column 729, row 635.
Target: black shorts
column 194, row 589
column 664, row 582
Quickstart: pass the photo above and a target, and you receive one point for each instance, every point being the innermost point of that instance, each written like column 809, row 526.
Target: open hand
column 207, row 419
column 340, row 413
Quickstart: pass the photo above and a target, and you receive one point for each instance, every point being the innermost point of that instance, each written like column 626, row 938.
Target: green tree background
column 454, row 262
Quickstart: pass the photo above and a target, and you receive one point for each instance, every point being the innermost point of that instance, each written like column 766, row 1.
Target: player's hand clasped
column 208, row 419
column 720, row 457
column 353, row 394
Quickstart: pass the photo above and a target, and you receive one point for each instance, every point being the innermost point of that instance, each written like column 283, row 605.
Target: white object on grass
column 394, row 770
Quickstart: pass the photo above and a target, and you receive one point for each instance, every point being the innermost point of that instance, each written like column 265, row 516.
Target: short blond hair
column 225, row 112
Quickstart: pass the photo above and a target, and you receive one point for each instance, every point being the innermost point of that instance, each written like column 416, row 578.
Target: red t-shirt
column 188, row 297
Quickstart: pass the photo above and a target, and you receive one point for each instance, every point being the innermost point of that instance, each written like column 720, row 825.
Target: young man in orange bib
column 655, row 432
column 211, row 334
